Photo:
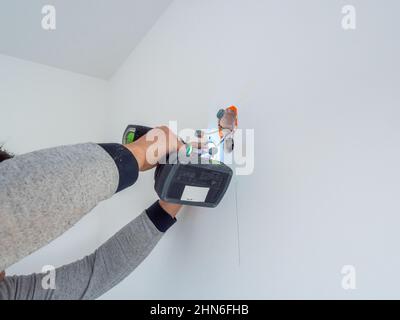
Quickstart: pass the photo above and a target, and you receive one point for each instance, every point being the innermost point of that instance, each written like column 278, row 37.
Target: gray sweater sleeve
column 43, row 193
column 92, row 276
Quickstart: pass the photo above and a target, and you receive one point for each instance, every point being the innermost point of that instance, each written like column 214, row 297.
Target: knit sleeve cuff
column 161, row 219
column 126, row 163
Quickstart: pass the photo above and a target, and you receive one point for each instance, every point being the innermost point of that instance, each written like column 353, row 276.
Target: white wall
column 42, row 107
column 324, row 106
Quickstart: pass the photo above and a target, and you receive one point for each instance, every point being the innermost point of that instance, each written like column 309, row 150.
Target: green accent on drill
column 215, row 162
column 189, row 149
column 130, row 137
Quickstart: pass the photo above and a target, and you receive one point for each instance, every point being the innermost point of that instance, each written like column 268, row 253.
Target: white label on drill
column 196, row 194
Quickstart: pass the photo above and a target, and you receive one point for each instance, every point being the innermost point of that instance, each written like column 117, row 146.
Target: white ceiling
column 92, row 37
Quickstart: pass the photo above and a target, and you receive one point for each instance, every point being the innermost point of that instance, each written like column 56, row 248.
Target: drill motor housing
column 195, row 182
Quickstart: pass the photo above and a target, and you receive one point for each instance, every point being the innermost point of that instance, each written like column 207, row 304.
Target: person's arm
column 97, row 273
column 43, row 193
